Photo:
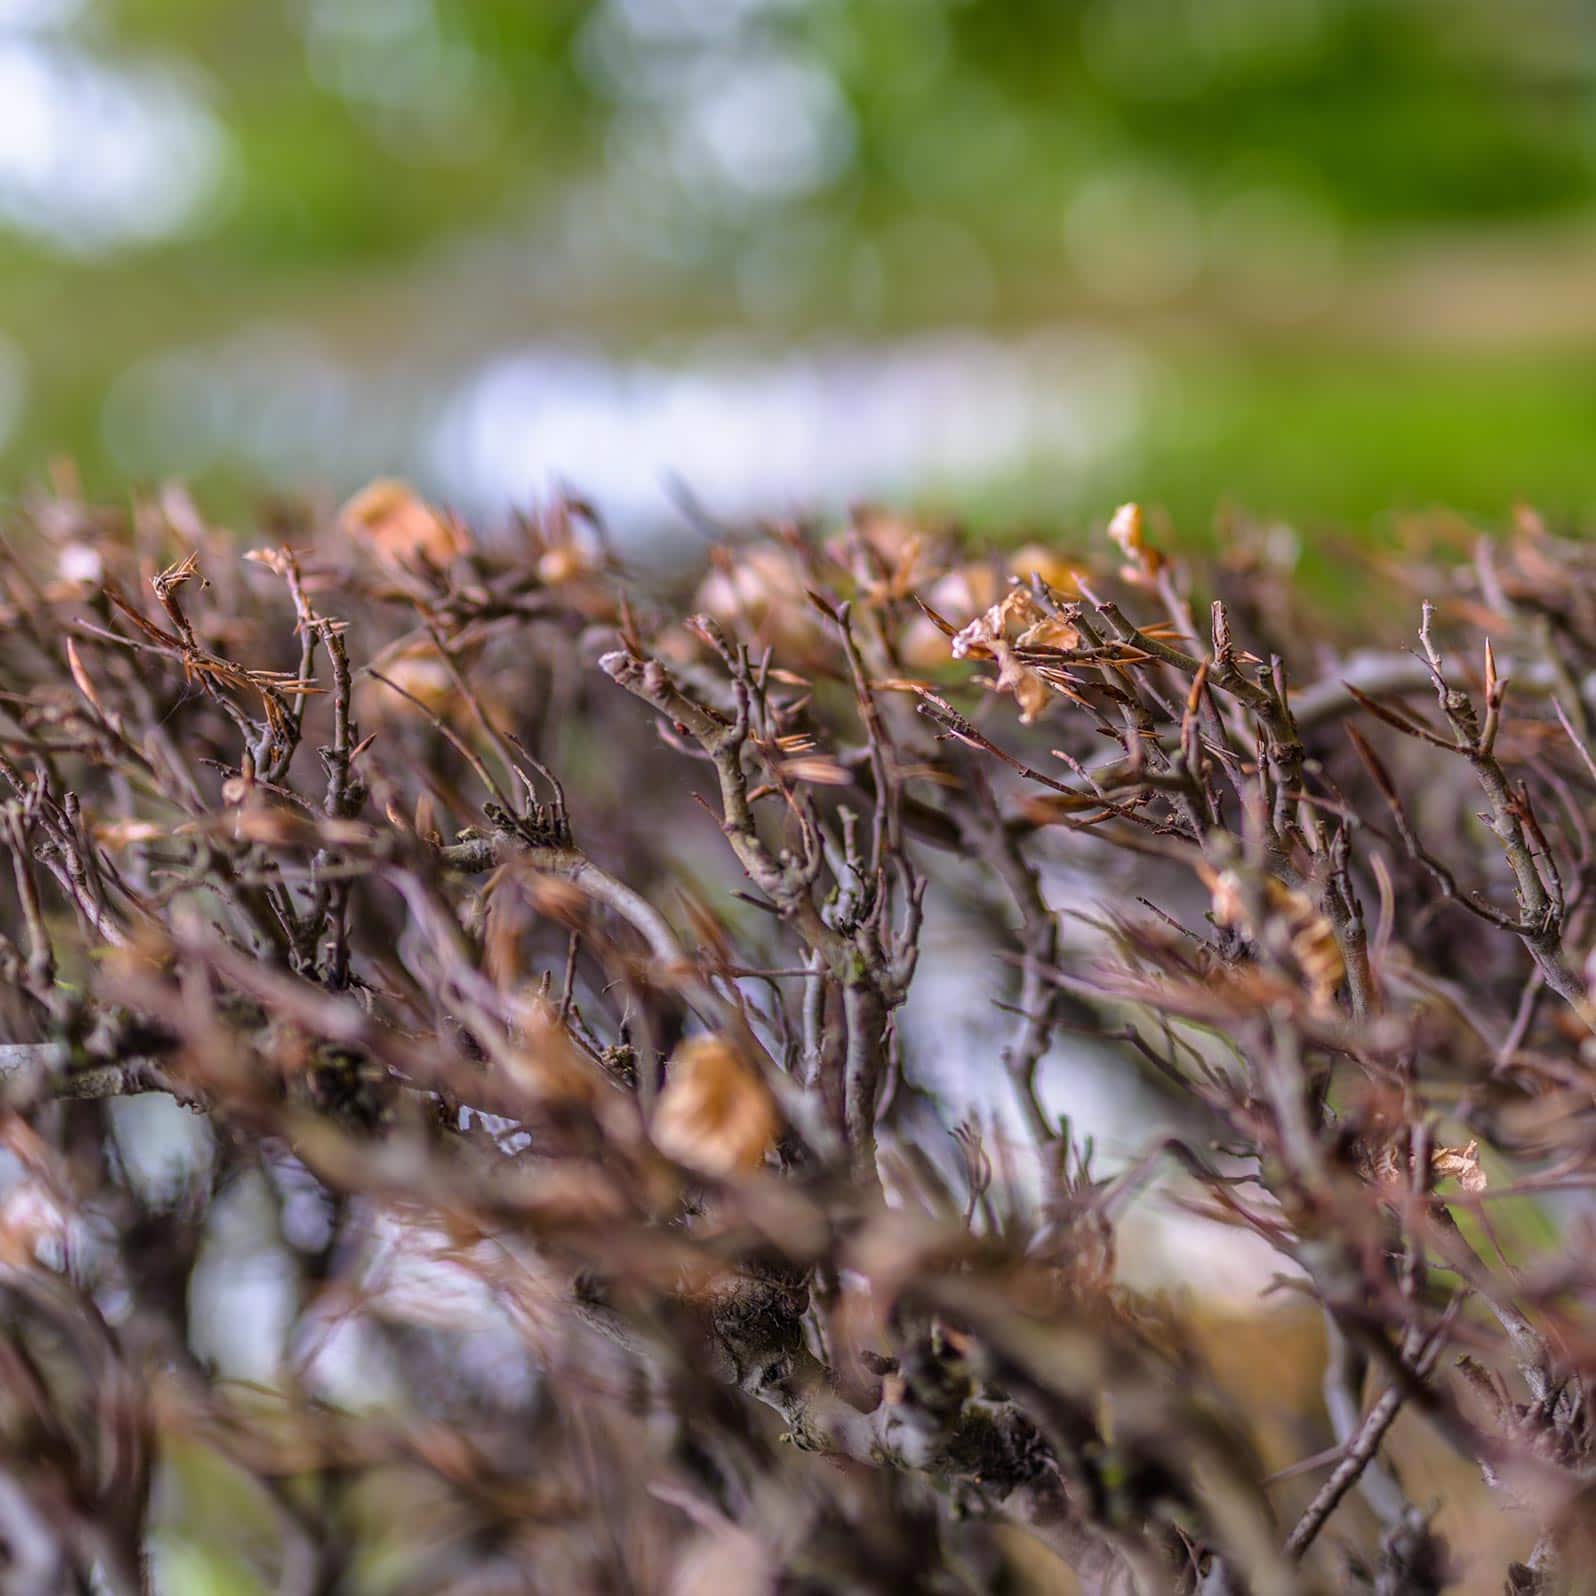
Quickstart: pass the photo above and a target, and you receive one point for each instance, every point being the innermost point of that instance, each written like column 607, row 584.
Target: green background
column 1345, row 244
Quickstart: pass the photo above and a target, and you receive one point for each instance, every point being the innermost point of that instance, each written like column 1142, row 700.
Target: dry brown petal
column 400, row 527
column 1461, row 1164
column 760, row 596
column 426, row 821
column 122, row 833
column 275, row 560
column 274, row 827
column 820, row 769
column 564, row 563
column 1056, row 808
column 714, row 1115
column 1062, row 575
column 979, row 640
column 1378, row 1162
column 1229, row 905
column 900, row 563
column 1126, row 528
column 422, row 673
column 892, row 535
column 1030, row 693
column 921, row 645
column 1313, row 940
column 966, row 591
column 1319, row 954
column 343, row 833
column 1050, row 632
column 763, row 588
column 556, row 897
column 81, row 676
column 547, row 1063
column 566, row 1193
column 986, row 637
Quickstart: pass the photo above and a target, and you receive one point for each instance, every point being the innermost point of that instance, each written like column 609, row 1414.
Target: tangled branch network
column 542, row 948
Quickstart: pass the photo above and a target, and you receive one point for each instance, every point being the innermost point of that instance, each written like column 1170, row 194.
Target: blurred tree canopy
column 410, row 186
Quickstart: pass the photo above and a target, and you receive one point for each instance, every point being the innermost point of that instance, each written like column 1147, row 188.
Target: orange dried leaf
column 1063, row 576
column 1461, row 1164
column 123, row 833
column 547, row 1063
column 81, row 677
column 401, row 527
column 714, row 1115
column 1126, row 528
column 820, row 769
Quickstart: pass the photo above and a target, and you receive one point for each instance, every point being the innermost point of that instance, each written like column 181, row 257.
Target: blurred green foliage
column 418, row 185
column 1351, row 435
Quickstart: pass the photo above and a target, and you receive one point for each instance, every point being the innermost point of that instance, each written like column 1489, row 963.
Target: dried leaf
column 714, row 1115
column 566, row 562
column 1060, row 574
column 986, row 637
column 84, row 684
column 548, row 1064
column 1461, row 1164
column 820, row 769
column 123, row 833
column 1142, row 564
column 402, row 528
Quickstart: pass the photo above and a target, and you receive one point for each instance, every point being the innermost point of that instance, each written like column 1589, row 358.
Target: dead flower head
column 988, row 636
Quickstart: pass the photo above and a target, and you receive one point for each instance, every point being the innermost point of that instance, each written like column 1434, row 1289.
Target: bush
column 536, row 965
